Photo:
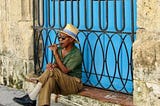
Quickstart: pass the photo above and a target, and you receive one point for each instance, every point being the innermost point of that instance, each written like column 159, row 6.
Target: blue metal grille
column 107, row 31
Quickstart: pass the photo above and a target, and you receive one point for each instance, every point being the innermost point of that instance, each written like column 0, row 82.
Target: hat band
column 69, row 32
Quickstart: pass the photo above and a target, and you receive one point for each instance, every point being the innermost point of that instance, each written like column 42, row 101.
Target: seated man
column 62, row 77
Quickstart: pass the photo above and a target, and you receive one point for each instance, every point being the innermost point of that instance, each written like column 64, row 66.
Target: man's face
column 65, row 40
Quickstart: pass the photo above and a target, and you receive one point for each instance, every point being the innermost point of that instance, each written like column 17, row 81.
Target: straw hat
column 71, row 31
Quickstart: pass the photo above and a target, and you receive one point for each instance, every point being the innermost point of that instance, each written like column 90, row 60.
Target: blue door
column 107, row 31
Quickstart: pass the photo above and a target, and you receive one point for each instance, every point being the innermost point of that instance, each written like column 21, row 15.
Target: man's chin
column 61, row 46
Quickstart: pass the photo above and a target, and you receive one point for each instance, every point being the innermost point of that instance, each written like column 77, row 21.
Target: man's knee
column 57, row 71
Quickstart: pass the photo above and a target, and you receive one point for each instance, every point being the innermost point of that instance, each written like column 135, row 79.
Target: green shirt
column 73, row 61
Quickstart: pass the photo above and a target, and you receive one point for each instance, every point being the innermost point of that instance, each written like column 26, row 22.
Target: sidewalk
column 7, row 94
column 107, row 98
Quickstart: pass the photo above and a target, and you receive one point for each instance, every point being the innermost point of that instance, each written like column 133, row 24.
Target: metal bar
column 123, row 16
column 40, row 12
column 72, row 16
column 34, row 33
column 78, row 14
column 132, row 19
column 65, row 13
column 54, row 15
column 86, row 15
column 133, row 33
column 100, row 16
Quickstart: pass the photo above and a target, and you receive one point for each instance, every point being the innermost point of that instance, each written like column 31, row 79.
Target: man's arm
column 59, row 63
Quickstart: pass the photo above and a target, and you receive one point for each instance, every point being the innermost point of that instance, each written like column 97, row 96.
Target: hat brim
column 60, row 31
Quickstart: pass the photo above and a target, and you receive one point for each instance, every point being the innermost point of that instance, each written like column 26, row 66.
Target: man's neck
column 68, row 48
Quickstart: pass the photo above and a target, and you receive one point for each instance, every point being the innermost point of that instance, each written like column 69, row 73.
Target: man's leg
column 45, row 92
column 54, row 82
column 35, row 91
column 45, row 76
column 66, row 83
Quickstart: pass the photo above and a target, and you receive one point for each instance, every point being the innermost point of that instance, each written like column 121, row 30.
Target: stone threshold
column 107, row 96
column 91, row 96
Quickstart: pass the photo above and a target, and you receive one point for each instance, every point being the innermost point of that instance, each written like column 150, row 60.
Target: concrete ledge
column 78, row 100
column 89, row 96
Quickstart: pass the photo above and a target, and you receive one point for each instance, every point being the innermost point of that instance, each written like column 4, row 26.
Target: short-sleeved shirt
column 73, row 61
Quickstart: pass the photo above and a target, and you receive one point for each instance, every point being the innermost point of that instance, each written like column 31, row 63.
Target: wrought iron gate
column 107, row 31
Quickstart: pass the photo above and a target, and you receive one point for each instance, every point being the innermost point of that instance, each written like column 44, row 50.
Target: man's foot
column 25, row 100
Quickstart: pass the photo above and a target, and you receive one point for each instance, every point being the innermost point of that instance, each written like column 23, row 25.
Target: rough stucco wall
column 16, row 41
column 146, row 54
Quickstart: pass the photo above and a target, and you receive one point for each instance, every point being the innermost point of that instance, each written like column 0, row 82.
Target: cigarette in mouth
column 52, row 45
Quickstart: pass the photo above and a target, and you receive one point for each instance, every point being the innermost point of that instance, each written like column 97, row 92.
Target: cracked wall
column 146, row 54
column 16, row 41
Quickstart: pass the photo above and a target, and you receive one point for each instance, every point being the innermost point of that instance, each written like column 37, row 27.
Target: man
column 62, row 77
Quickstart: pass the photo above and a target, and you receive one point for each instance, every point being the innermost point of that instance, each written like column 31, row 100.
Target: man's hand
column 51, row 66
column 54, row 49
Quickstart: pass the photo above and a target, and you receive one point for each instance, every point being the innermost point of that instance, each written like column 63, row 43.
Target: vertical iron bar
column 123, row 15
column 132, row 35
column 34, row 33
column 59, row 13
column 100, row 17
column 132, row 19
column 54, row 19
column 65, row 12
column 91, row 15
column 40, row 13
column 72, row 16
column 78, row 15
column 49, row 15
column 115, row 16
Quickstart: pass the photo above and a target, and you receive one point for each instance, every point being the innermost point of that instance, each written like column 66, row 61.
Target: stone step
column 87, row 97
column 78, row 100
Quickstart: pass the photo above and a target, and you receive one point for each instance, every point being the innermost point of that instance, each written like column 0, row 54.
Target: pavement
column 7, row 94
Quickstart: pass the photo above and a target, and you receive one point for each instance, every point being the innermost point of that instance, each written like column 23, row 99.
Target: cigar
column 52, row 45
